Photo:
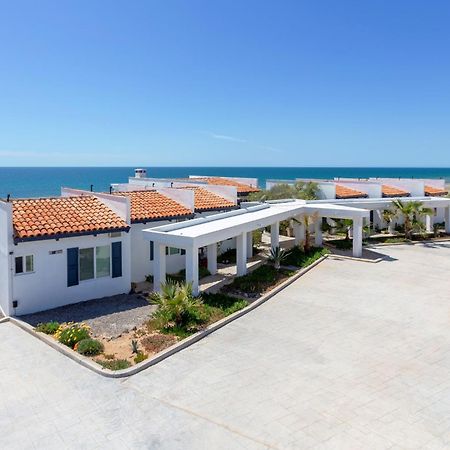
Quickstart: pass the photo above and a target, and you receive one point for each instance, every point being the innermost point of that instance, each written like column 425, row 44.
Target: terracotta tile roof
column 346, row 192
column 431, row 191
column 391, row 191
column 205, row 200
column 241, row 187
column 46, row 218
column 151, row 205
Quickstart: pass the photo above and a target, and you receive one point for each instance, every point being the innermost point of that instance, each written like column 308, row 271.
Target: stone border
column 90, row 364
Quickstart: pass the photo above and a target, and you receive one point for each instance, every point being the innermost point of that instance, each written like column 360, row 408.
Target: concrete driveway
column 352, row 356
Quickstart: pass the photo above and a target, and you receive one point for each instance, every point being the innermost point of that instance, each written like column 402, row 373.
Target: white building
column 156, row 206
column 380, row 188
column 56, row 251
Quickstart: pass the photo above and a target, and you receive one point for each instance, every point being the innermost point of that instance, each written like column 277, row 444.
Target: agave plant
column 277, row 256
column 412, row 212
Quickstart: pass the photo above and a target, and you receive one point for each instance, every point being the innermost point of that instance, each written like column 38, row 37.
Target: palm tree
column 307, row 221
column 277, row 256
column 345, row 226
column 177, row 306
column 412, row 212
column 388, row 217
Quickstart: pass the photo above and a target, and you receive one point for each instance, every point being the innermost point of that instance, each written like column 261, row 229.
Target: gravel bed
column 108, row 317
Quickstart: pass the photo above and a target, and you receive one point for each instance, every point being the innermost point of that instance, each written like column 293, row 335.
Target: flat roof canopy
column 218, row 227
column 378, row 203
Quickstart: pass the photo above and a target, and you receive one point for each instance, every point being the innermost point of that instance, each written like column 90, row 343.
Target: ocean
column 47, row 181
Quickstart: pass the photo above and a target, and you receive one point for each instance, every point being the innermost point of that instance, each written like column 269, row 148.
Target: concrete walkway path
column 351, row 356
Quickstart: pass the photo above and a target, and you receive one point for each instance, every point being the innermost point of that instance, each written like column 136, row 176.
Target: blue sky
column 225, row 82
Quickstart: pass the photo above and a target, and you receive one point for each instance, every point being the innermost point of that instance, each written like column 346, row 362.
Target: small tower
column 140, row 173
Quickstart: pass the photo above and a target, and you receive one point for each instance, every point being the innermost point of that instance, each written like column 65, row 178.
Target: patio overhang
column 208, row 231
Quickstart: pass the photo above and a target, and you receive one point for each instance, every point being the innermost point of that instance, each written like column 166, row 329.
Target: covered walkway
column 209, row 231
column 378, row 205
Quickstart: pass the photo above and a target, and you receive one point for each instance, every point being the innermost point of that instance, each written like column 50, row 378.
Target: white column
column 241, row 254
column 275, row 235
column 357, row 237
column 447, row 219
column 429, row 223
column 192, row 268
column 249, row 244
column 211, row 253
column 318, row 232
column 159, row 266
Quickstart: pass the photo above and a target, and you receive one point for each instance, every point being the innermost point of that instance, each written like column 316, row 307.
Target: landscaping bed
column 144, row 341
column 176, row 314
column 267, row 277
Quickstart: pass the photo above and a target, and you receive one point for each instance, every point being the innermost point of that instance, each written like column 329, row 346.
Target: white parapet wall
column 120, row 205
column 6, row 246
column 373, row 189
column 416, row 188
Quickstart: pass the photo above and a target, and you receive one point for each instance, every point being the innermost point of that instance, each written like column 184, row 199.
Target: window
column 97, row 266
column 24, row 264
column 86, row 264
column 116, row 234
column 172, row 251
column 103, row 261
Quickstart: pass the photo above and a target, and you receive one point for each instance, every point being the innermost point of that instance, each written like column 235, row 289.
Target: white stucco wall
column 141, row 266
column 372, row 188
column 415, row 187
column 47, row 288
column 6, row 233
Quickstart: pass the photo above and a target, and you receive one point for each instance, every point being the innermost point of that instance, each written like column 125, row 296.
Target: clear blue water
column 47, row 181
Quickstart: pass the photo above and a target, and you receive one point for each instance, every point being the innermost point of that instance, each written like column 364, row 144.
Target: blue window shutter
column 72, row 266
column 152, row 251
column 116, row 251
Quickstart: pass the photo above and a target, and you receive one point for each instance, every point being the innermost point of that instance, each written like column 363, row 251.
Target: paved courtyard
column 351, row 356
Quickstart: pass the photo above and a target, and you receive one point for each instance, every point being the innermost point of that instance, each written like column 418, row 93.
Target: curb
column 389, row 244
column 89, row 364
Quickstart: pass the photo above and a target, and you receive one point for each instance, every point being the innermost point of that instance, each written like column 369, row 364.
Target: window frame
column 95, row 277
column 24, row 259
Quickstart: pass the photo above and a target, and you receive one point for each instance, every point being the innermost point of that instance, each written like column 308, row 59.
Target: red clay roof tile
column 346, row 192
column 205, row 200
column 391, row 191
column 431, row 191
column 50, row 217
column 219, row 181
column 152, row 205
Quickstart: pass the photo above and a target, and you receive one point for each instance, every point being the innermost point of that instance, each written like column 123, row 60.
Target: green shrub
column 114, row 364
column 256, row 281
column 140, row 357
column 298, row 258
column 89, row 347
column 226, row 303
column 48, row 328
column 70, row 334
column 236, row 306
